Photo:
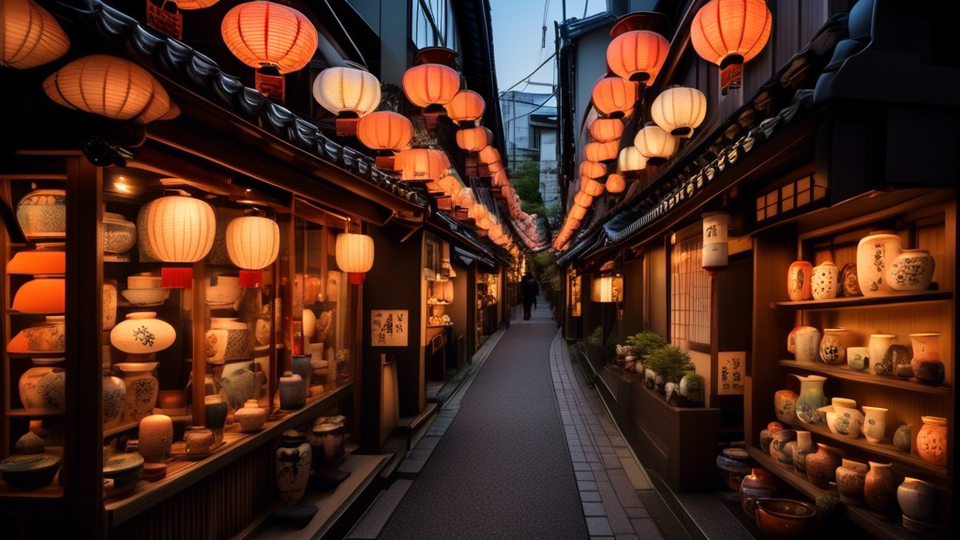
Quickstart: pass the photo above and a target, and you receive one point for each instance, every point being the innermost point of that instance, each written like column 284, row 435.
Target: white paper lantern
column 655, row 143
column 679, row 110
column 631, row 160
column 176, row 229
column 714, row 254
column 354, row 255
column 344, row 89
column 253, row 242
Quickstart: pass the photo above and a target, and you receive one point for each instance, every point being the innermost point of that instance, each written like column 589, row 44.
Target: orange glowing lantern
column 422, row 165
column 597, row 151
column 577, row 212
column 474, row 139
column 591, row 187
column 655, row 144
column 606, row 129
column 615, row 184
column 495, row 167
column 354, row 254
column 349, row 93
column 466, row 106
column 583, row 199
column 615, row 97
column 432, row 82
column 500, row 178
column 634, row 53
column 679, row 110
column 385, row 130
column 450, row 185
column 729, row 33
column 29, row 35
column 477, row 211
column 195, row 4
column 592, row 169
column 273, row 38
column 489, row 154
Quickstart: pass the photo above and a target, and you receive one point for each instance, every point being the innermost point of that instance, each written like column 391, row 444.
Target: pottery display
column 41, row 295
column 262, row 332
column 119, row 235
column 251, row 416
column 293, row 393
column 142, row 333
column 874, row 424
column 155, row 438
column 849, row 283
column 145, row 297
column 807, row 344
column 142, row 389
column 330, row 438
column 825, row 281
column 798, row 281
column 898, row 360
column 43, row 214
column 114, row 396
column 144, row 280
column 779, row 449
column 851, row 476
column 877, row 347
column 48, row 260
column 123, row 468
column 918, row 500
column 785, row 518
column 227, row 339
column 811, row 398
column 875, row 253
column 903, row 438
column 822, row 465
column 766, row 435
column 215, row 413
column 198, row 440
column 222, row 291
column 832, row 349
column 845, row 419
column 912, row 270
column 880, row 489
column 42, row 388
column 29, row 471
column 109, row 298
column 238, row 383
column 29, row 443
column 301, row 366
column 932, row 440
column 926, row 364
column 293, row 466
column 803, row 447
column 45, row 338
column 759, row 484
column 734, row 465
column 858, row 358
column 784, row 405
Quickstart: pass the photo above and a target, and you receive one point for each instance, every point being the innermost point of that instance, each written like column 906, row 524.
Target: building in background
column 530, row 135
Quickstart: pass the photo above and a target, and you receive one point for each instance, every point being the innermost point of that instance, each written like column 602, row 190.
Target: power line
column 535, row 109
column 585, row 4
column 532, row 73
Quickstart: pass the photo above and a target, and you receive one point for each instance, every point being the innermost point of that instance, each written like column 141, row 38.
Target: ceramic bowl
column 119, row 235
column 145, row 297
column 41, row 296
column 785, row 518
column 842, row 421
column 29, row 471
column 225, row 293
column 41, row 261
column 43, row 214
column 123, row 468
column 46, row 338
column 144, row 281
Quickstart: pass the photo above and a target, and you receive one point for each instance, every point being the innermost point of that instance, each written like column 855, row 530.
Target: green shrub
column 595, row 339
column 669, row 362
column 610, row 350
column 645, row 343
column 694, row 381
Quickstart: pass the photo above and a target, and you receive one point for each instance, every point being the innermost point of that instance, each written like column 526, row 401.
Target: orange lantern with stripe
column 615, row 184
column 597, row 151
column 489, row 154
column 729, row 33
column 432, row 82
column 385, row 131
column 636, row 52
column 615, row 97
column 29, row 35
column 606, row 129
column 466, row 106
column 500, row 179
column 422, row 165
column 591, row 187
column 592, row 169
column 474, row 139
column 583, row 199
column 578, row 212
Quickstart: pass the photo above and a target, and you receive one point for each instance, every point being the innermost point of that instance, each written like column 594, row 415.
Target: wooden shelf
column 61, row 354
column 30, row 413
column 843, row 372
column 31, row 314
column 870, row 522
column 53, row 491
column 869, row 301
column 439, row 325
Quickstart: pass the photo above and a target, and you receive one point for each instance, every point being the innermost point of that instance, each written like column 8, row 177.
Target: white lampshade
column 253, row 242
column 654, row 142
column 344, row 89
column 355, row 255
column 176, row 229
column 607, row 289
column 679, row 110
column 715, row 249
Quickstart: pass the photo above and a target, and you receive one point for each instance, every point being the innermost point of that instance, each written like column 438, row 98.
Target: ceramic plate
column 121, row 462
column 21, row 463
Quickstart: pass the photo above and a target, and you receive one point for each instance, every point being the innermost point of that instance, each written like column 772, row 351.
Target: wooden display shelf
column 61, row 354
column 53, row 491
column 843, row 372
column 869, row 301
column 884, row 449
column 32, row 314
column 439, row 325
column 870, row 522
column 29, row 413
column 182, row 473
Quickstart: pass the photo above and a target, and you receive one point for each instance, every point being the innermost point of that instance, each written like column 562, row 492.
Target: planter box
column 616, row 390
column 679, row 443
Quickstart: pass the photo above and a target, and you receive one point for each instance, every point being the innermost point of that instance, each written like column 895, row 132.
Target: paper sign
column 388, row 328
column 731, row 365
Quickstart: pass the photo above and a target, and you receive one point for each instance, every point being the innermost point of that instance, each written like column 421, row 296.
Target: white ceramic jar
column 875, row 253
column 826, row 279
column 142, row 333
column 911, row 271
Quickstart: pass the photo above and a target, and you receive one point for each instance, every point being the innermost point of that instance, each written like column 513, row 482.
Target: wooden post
column 198, row 324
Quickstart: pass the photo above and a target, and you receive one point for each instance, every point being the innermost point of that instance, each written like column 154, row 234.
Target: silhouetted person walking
column 529, row 290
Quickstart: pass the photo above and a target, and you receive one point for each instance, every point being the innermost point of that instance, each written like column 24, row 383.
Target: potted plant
column 670, row 365
column 691, row 388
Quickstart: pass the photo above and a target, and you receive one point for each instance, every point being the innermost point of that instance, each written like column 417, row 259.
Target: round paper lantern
column 477, row 212
column 195, row 4
column 450, row 185
column 30, row 35
column 577, row 212
column 592, row 169
column 615, row 97
column 679, row 110
column 582, row 199
column 591, row 187
column 495, row 167
column 422, row 165
column 253, row 242
column 500, row 179
column 714, row 253
column 495, row 232
column 474, row 139
column 507, row 191
column 354, row 253
column 465, row 198
column 430, row 84
column 484, row 223
column 597, row 151
column 347, row 90
column 606, row 129
column 654, row 142
column 615, row 184
column 631, row 160
column 108, row 86
column 489, row 154
column 728, row 32
column 637, row 55
column 385, row 130
column 466, row 106
column 573, row 222
column 269, row 34
column 176, row 229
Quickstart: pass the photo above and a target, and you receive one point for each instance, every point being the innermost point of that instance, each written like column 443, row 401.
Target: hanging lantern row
column 729, row 33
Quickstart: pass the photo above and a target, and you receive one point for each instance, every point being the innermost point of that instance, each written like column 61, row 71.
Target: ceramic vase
column 926, row 364
column 238, row 383
column 911, row 271
column 109, row 298
column 811, row 399
column 119, row 235
column 329, row 438
column 114, row 396
column 844, row 419
column 784, row 405
column 875, row 253
column 766, row 435
column 142, row 389
column 301, row 366
column 822, row 465
column 251, row 416
column 293, row 394
column 42, row 388
column 877, row 347
column 198, row 440
column 858, row 358
column 807, row 344
column 825, row 281
column 832, row 349
column 43, row 214
column 903, row 438
column 759, row 484
column 215, row 412
column 142, row 333
column 851, row 476
column 932, row 440
column 798, row 281
column 874, row 424
column 899, row 360
column 779, row 449
column 880, row 489
column 803, row 447
column 228, row 339
column 155, row 437
column 848, row 281
column 917, row 499
column 293, row 466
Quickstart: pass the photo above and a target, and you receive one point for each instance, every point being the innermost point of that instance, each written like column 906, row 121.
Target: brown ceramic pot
column 850, row 479
column 759, row 484
column 822, row 465
column 785, row 518
column 880, row 489
column 932, row 440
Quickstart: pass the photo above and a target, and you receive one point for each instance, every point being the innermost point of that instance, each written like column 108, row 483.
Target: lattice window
column 793, row 195
column 689, row 295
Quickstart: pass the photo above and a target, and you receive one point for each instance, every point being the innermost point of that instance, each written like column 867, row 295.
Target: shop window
column 789, row 197
column 689, row 295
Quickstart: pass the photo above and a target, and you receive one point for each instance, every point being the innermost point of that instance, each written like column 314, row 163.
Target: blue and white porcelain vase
column 811, row 399
column 293, row 466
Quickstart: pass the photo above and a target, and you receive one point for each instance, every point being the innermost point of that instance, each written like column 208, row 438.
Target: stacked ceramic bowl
column 144, row 290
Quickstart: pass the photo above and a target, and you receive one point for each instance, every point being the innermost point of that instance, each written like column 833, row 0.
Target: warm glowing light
column 489, row 154
column 500, row 179
column 466, row 106
column 637, row 55
column 606, row 129
column 679, row 110
column 253, row 242
column 195, row 4
column 176, row 229
column 430, row 84
column 615, row 184
column 615, row 97
column 631, row 160
column 347, row 90
column 654, row 142
column 591, row 187
column 577, row 212
column 269, row 34
column 385, row 130
column 592, row 169
column 29, row 35
column 474, row 139
column 422, row 165
column 354, row 254
column 607, row 289
column 582, row 199
column 450, row 185
column 597, row 151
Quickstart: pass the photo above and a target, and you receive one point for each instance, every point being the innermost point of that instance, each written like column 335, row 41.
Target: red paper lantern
column 606, row 129
column 729, row 33
column 637, row 55
column 592, row 169
column 615, row 97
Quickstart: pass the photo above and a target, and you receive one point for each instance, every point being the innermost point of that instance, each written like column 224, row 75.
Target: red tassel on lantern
column 355, row 278
column 176, row 277
column 251, row 279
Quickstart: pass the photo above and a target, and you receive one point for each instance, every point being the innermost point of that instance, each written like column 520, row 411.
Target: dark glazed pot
column 785, row 518
column 759, row 484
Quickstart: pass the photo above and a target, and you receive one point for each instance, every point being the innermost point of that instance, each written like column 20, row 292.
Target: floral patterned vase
column 875, row 253
column 880, row 489
column 912, row 270
column 142, row 333
column 932, row 440
column 822, row 465
column 293, row 466
column 798, row 281
column 811, row 399
column 832, row 349
column 784, row 405
column 825, row 281
column 142, row 388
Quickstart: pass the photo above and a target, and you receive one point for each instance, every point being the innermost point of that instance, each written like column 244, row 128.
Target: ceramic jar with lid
column 932, row 440
column 798, row 281
column 119, row 235
column 911, row 271
column 832, row 349
column 43, row 215
column 825, row 282
column 293, row 466
column 251, row 416
column 843, row 418
column 875, row 253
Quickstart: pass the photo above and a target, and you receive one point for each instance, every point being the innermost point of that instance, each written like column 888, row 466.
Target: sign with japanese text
column 388, row 328
column 731, row 379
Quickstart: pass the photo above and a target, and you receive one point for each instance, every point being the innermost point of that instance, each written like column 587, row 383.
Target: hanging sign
column 731, row 366
column 388, row 328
